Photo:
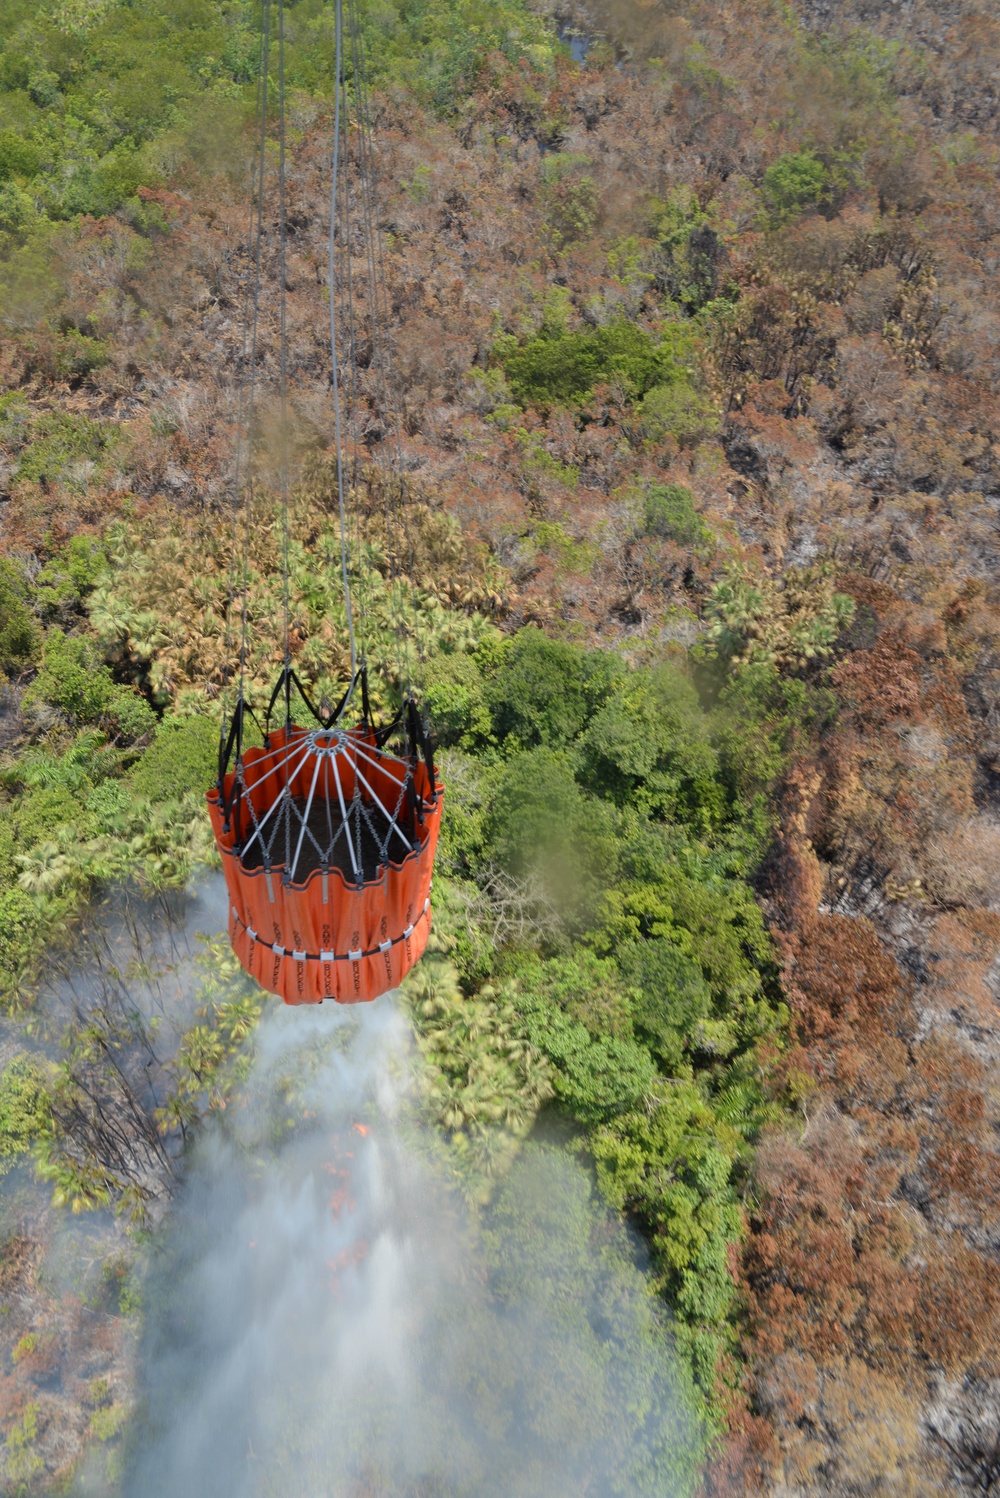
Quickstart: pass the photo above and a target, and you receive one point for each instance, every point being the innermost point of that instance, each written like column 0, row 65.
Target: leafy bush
column 39, row 813
column 680, row 411
column 18, row 157
column 72, row 678
column 91, row 100
column 794, row 183
column 568, row 198
column 670, row 513
column 539, row 813
column 23, row 1108
column 183, row 757
column 595, row 1077
column 558, row 367
column 649, row 744
column 690, row 249
column 73, row 572
column 671, row 997
column 64, row 449
column 20, row 636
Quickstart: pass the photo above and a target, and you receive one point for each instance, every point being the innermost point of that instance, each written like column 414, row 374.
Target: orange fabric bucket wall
column 330, row 934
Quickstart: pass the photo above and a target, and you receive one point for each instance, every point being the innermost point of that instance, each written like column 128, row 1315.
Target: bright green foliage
column 24, row 1109
column 760, row 720
column 607, row 840
column 671, row 998
column 649, row 744
column 540, row 818
column 93, row 97
column 587, row 988
column 672, row 1163
column 71, row 575
column 65, row 449
column 539, row 1239
column 488, row 1079
column 595, row 1077
column 795, row 183
column 670, row 513
column 558, row 367
column 22, row 929
column 689, row 249
column 543, row 691
column 43, row 811
column 73, row 678
column 183, row 756
column 678, row 410
column 22, row 1464
column 20, row 637
column 454, row 697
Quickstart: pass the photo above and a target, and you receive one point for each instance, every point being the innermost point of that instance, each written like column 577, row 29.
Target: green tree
column 794, row 183
column 543, row 691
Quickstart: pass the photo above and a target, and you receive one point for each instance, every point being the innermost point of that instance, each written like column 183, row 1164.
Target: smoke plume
column 326, row 1319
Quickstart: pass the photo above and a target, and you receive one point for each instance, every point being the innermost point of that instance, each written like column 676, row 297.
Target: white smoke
column 325, row 1319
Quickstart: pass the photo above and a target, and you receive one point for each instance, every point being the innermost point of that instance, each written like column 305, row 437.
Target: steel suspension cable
column 251, row 405
column 348, row 328
column 283, row 356
column 390, row 456
column 241, row 417
column 335, row 369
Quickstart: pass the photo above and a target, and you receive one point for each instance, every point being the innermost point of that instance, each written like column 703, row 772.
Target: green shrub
column 64, row 449
column 595, row 1077
column 649, row 745
column 586, row 987
column 670, row 997
column 567, row 198
column 128, row 716
column 689, row 249
column 680, row 411
column 24, row 1109
column 795, row 183
column 40, row 812
column 20, row 636
column 559, row 367
column 110, row 804
column 183, row 757
column 671, row 1163
column 78, row 355
column 670, row 513
column 72, row 573
column 17, row 214
column 18, row 157
column 73, row 678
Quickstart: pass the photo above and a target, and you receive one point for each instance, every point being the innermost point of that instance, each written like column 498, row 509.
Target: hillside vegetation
column 696, row 341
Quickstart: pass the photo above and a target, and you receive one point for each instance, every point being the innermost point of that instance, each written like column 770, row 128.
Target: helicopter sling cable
column 329, row 826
